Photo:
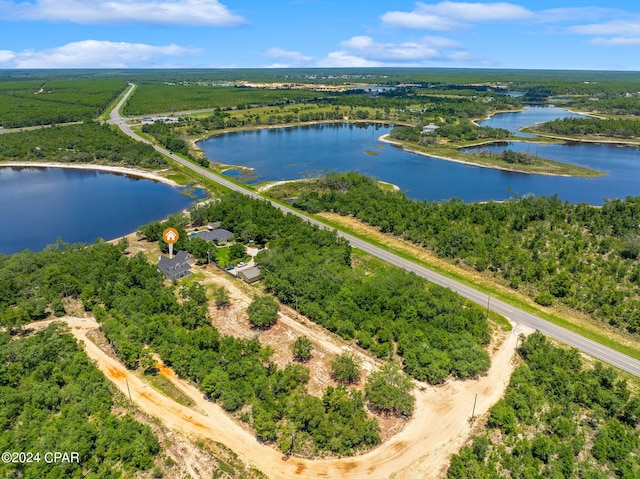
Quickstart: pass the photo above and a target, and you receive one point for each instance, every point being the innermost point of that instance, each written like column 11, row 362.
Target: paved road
column 516, row 315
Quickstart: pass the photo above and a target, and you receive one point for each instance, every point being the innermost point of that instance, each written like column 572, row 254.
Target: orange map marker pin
column 170, row 236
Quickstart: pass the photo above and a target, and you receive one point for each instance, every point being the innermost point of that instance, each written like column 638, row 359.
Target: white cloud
column 95, row 54
column 617, row 41
column 575, row 14
column 295, row 57
column 364, row 51
column 6, row 56
column 173, row 12
column 615, row 27
column 343, row 58
column 426, row 48
column 447, row 15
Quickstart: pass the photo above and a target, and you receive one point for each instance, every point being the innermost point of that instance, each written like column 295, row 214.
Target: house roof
column 215, row 235
column 430, row 128
column 250, row 274
column 174, row 266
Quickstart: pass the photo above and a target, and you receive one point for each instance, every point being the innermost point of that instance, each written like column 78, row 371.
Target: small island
column 448, row 145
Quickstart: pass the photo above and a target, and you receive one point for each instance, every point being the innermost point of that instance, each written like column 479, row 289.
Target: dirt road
column 421, row 450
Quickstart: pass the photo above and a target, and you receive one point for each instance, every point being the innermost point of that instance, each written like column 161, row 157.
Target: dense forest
column 167, row 98
column 559, row 419
column 84, row 143
column 613, row 103
column 579, row 255
column 616, row 128
column 462, row 131
column 52, row 398
column 139, row 314
column 36, row 102
column 436, row 332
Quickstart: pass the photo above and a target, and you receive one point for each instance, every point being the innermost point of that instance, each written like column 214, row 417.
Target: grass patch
column 180, row 178
column 166, row 387
column 541, row 167
column 192, row 278
column 223, row 256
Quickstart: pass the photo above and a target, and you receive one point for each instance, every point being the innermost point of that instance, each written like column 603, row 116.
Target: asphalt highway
column 514, row 314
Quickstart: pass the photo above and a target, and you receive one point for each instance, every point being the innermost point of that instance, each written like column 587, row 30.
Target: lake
column 43, row 204
column 531, row 115
column 300, row 152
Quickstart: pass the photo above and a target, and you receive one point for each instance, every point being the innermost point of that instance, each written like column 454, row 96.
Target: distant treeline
column 31, row 103
column 84, row 143
column 579, row 255
column 615, row 104
column 558, row 419
column 616, row 128
column 152, row 98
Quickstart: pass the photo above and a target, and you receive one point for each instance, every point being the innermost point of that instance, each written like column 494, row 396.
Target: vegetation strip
column 557, row 419
column 324, row 194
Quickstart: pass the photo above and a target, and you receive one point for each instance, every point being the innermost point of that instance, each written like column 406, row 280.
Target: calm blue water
column 531, row 115
column 621, row 164
column 299, row 152
column 40, row 205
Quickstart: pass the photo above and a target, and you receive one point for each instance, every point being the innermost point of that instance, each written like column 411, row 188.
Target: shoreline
column 385, row 139
column 582, row 140
column 121, row 170
column 270, row 184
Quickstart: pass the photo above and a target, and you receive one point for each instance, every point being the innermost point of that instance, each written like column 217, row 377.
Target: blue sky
column 563, row 34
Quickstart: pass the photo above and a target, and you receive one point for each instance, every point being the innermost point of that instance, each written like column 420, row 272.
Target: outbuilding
column 250, row 275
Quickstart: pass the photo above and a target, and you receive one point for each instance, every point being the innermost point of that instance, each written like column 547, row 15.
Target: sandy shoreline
column 109, row 169
column 385, row 139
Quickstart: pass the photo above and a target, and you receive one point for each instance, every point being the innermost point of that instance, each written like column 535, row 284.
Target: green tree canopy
column 345, row 368
column 302, row 348
column 389, row 389
column 263, row 311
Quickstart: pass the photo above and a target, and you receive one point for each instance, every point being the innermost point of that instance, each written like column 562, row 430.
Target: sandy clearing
column 422, row 449
column 111, row 169
column 233, row 321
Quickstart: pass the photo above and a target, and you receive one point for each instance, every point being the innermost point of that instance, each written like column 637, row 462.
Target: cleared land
column 439, row 427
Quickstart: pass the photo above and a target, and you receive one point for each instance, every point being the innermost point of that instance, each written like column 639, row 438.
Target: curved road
column 516, row 315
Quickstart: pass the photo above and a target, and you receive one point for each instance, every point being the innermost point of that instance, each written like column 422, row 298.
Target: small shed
column 176, row 267
column 250, row 275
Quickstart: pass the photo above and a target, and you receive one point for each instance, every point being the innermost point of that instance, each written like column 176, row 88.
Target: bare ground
column 439, row 427
column 415, row 448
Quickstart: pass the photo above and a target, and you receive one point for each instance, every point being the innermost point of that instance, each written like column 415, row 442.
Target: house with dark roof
column 176, row 267
column 250, row 275
column 218, row 236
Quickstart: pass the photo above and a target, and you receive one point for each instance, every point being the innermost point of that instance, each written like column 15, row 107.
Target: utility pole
column 473, row 414
column 488, row 304
column 130, row 400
